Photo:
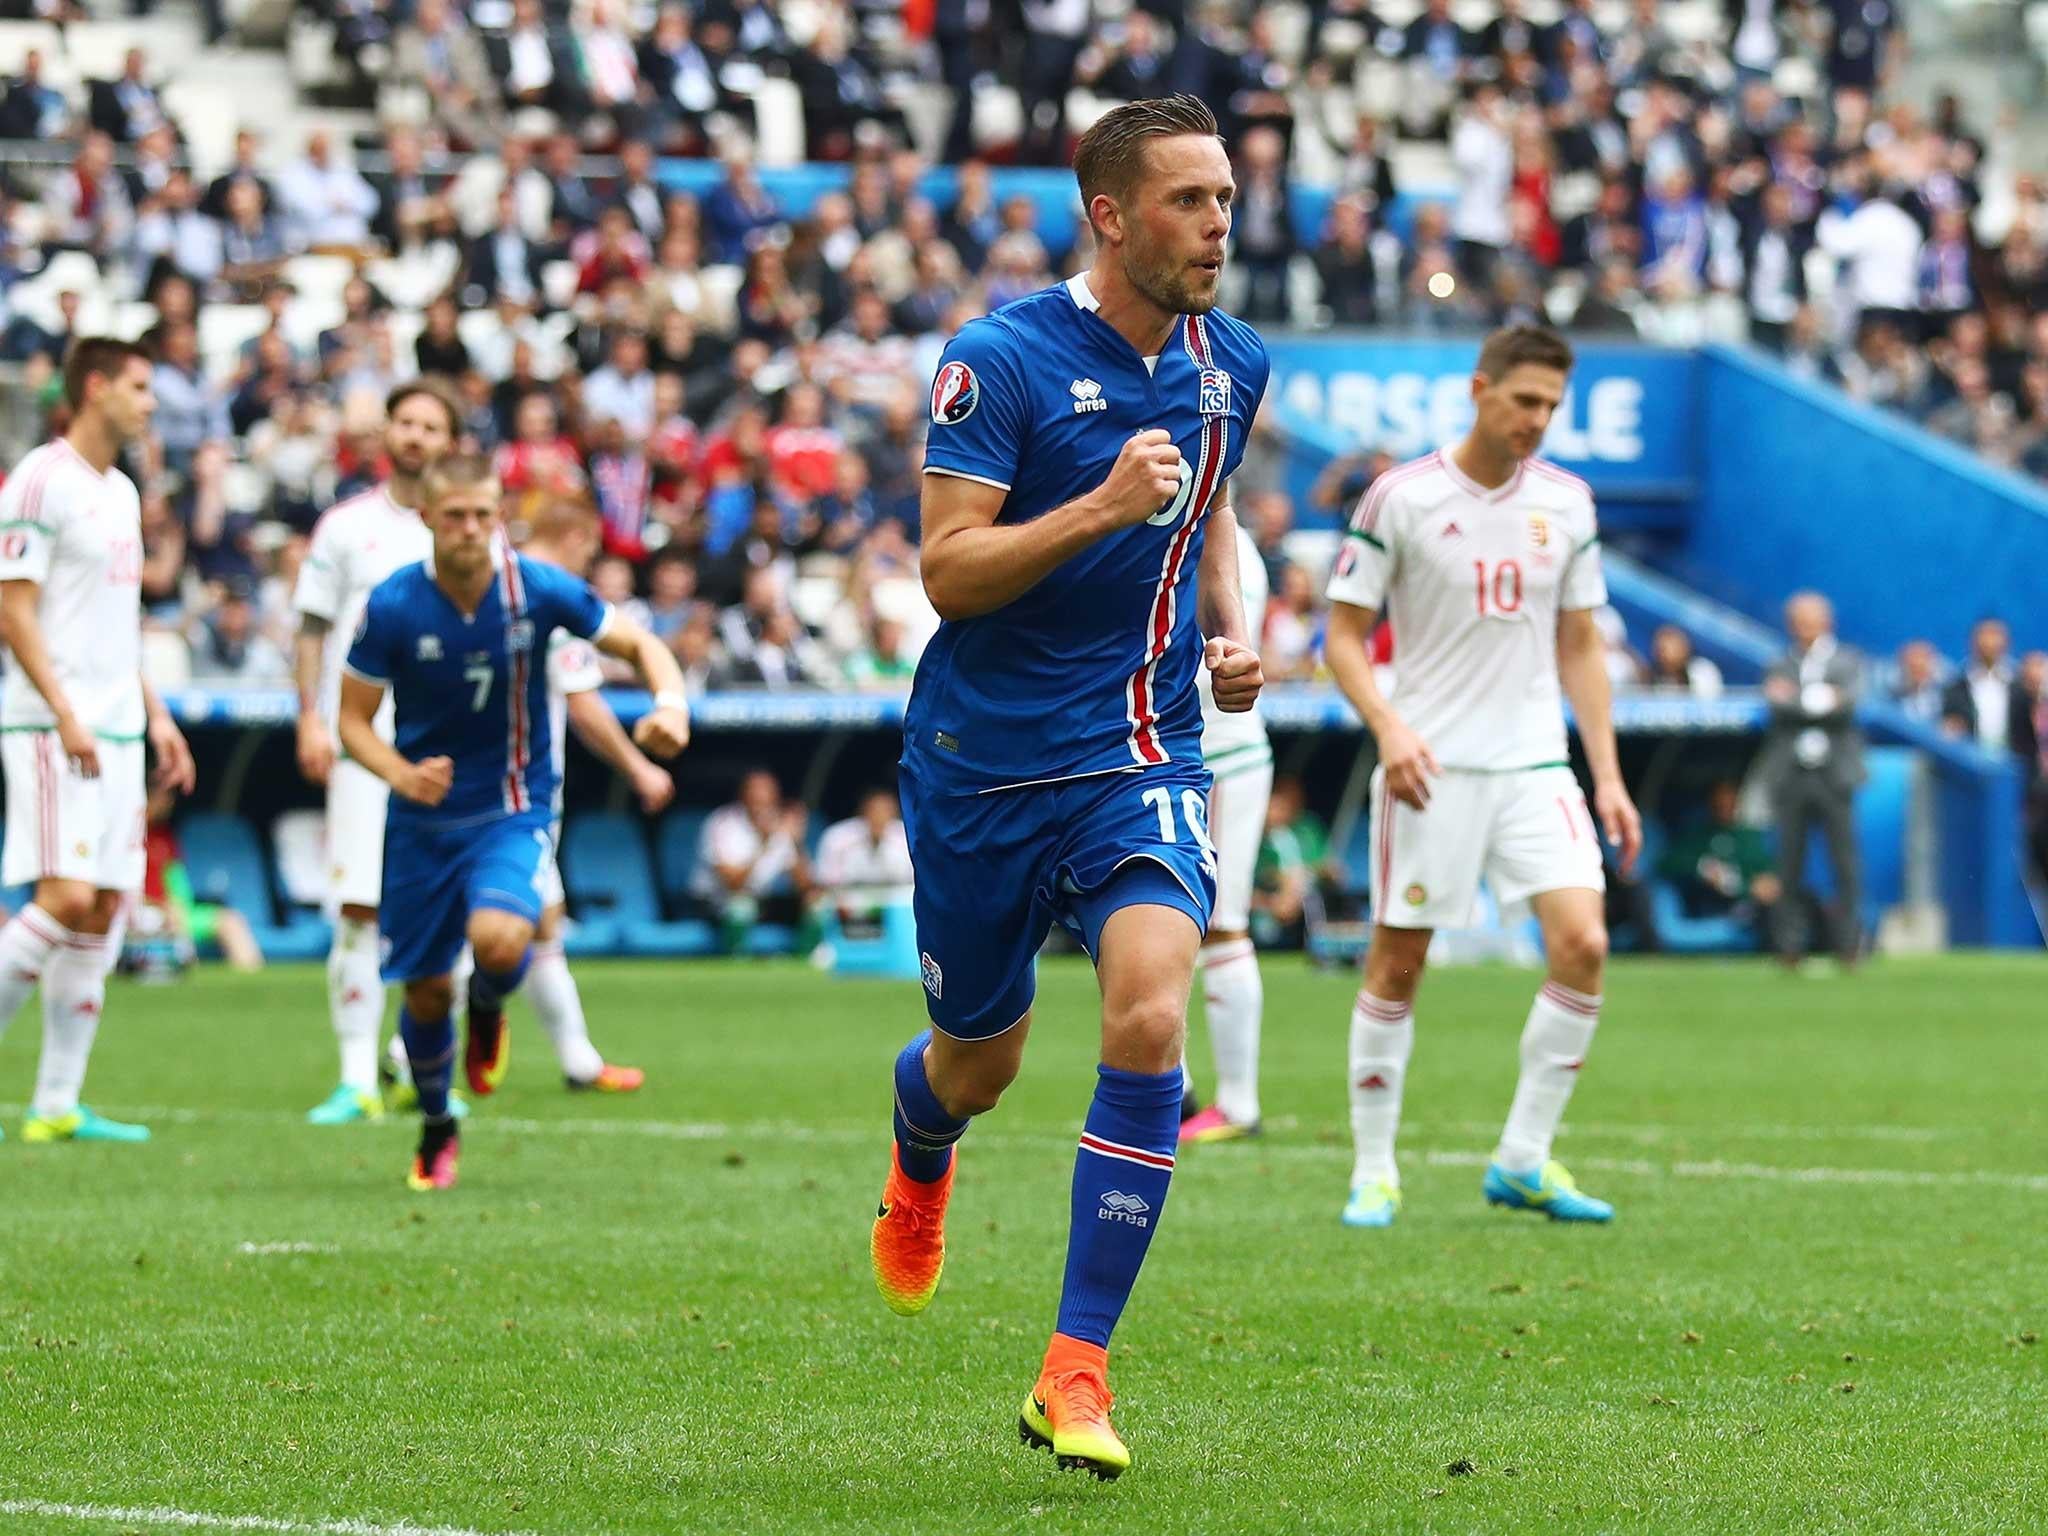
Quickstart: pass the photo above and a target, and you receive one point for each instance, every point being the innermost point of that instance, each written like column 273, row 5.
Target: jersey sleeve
column 565, row 602
column 980, row 409
column 373, row 654
column 1585, row 584
column 28, row 528
column 1365, row 565
column 573, row 665
column 323, row 574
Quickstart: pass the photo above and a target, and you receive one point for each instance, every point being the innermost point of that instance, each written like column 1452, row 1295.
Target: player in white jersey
column 74, row 714
column 1487, row 562
column 567, row 534
column 1233, row 994
column 356, row 544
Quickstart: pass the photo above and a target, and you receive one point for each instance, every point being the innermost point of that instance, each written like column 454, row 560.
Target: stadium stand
column 697, row 263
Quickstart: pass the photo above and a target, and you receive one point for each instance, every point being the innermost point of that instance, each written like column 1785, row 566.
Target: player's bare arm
column 315, row 744
column 1405, row 756
column 598, row 729
column 425, row 782
column 973, row 565
column 1231, row 650
column 1582, row 670
column 22, row 631
column 664, row 730
column 175, row 769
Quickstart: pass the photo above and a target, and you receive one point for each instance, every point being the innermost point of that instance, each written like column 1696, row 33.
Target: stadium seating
column 609, row 879
column 227, row 865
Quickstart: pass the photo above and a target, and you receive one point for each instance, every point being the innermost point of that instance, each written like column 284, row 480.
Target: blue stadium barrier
column 1053, row 190
column 227, row 865
column 605, row 867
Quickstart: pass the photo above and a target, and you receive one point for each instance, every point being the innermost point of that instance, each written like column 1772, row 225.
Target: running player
column 467, row 848
column 356, row 544
column 1082, row 441
column 1235, row 748
column 74, row 712
column 1488, row 561
column 566, row 534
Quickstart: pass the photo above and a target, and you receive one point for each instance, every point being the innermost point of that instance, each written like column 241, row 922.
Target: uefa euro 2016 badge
column 955, row 394
column 1215, row 394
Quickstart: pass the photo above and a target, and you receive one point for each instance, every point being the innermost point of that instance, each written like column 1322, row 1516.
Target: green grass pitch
column 1818, row 1309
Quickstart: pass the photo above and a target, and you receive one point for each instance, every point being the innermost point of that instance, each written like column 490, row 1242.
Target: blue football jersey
column 1094, row 668
column 474, row 688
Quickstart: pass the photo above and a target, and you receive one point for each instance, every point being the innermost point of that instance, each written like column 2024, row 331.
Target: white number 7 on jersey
column 479, row 674
column 1193, row 810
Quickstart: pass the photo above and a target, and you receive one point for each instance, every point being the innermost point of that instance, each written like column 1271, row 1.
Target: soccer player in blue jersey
column 1079, row 546
column 461, row 641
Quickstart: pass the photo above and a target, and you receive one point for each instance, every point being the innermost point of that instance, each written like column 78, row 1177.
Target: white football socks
column 1234, row 996
column 1382, row 1036
column 355, row 999
column 74, row 993
column 559, row 1007
column 25, row 946
column 1554, row 1042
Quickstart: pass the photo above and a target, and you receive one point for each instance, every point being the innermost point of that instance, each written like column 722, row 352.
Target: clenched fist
column 1235, row 674
column 1145, row 477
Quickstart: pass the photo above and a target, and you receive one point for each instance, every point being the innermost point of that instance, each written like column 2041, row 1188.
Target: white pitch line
column 265, row 1249
column 199, row 1520
column 711, row 1130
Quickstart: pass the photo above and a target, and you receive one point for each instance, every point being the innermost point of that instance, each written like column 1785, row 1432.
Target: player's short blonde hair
column 455, row 472
column 1111, row 155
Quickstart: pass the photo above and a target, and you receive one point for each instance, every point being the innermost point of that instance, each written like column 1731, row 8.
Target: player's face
column 464, row 522
column 128, row 400
column 1176, row 222
column 1515, row 409
column 417, row 434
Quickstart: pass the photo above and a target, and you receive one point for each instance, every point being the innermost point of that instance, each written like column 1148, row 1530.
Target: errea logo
column 1118, row 1206
column 1087, row 396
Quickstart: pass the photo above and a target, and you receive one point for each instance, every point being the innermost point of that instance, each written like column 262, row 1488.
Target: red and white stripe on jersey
column 1090, row 1142
column 1374, row 501
column 1383, row 865
column 51, row 455
column 518, row 728
column 1141, row 692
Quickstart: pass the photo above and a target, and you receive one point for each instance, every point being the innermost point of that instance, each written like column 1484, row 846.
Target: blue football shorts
column 995, row 870
column 434, row 877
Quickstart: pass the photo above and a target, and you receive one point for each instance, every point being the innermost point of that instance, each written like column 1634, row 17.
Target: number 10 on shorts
column 1193, row 810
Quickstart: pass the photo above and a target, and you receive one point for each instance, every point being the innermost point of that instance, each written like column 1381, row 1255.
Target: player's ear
column 1107, row 218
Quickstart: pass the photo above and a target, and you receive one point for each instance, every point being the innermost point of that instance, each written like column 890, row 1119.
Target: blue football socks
column 1120, row 1177
column 925, row 1133
column 430, row 1050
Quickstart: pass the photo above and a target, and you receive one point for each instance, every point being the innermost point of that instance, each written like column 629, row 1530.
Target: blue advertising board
column 1626, row 426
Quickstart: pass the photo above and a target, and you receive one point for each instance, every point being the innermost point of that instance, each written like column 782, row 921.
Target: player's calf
column 503, row 945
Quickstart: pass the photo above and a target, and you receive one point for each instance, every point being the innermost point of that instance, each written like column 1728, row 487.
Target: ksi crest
column 1215, row 393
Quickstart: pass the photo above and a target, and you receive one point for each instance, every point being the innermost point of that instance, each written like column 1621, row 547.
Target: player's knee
column 1147, row 1032
column 429, row 1001
column 355, row 912
column 499, row 940
column 1580, row 952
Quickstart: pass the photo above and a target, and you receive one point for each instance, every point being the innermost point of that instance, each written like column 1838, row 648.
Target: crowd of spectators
column 738, row 385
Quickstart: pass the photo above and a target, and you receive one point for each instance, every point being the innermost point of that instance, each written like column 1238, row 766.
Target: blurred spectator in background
column 1262, row 227
column 128, row 109
column 32, row 107
column 1721, row 867
column 190, row 409
column 1676, row 668
column 440, row 56
column 1812, row 763
column 228, row 649
column 87, row 208
column 1294, row 860
column 1293, row 633
column 752, row 864
column 1916, row 686
column 863, row 862
column 883, row 665
column 1979, row 702
column 328, row 204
